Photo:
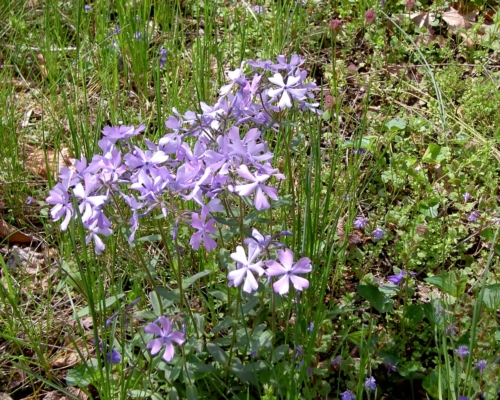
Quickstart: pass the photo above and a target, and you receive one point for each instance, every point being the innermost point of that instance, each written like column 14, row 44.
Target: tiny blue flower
column 360, row 222
column 462, row 351
column 378, row 233
column 347, row 395
column 86, row 7
column 370, row 383
column 467, row 196
column 481, row 365
column 473, row 216
column 310, row 327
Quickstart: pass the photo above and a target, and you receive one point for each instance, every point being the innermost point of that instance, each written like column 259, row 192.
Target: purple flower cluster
column 248, row 267
column 228, row 157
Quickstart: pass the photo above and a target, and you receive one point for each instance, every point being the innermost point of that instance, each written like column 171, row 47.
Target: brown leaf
column 35, row 161
column 12, row 234
column 455, row 20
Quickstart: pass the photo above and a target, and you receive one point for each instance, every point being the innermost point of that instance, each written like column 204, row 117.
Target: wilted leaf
column 455, row 20
column 13, row 235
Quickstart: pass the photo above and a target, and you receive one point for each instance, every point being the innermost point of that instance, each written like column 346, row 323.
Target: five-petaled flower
column 289, row 270
column 245, row 269
column 166, row 335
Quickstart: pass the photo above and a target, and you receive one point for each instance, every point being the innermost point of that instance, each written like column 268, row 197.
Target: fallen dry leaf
column 13, row 235
column 455, row 20
column 35, row 161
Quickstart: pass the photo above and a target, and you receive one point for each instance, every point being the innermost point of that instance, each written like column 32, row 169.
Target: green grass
column 427, row 116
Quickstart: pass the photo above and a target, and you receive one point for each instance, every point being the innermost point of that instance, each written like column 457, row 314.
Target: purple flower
column 259, row 9
column 237, row 77
column 481, row 365
column 245, row 269
column 122, row 132
column 29, row 200
column 473, row 216
column 113, row 356
column 299, row 351
column 165, row 336
column 347, row 395
column 335, row 25
column 463, row 397
column 289, row 270
column 360, row 222
column 310, row 328
column 462, row 351
column 60, row 199
column 257, row 186
column 86, row 7
column 390, row 367
column 287, row 91
column 370, row 383
column 336, row 362
column 163, row 57
column 137, row 35
column 370, row 16
column 397, row 279
column 204, row 228
column 378, row 233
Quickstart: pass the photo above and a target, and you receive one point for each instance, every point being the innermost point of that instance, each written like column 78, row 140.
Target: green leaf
column 217, row 353
column 108, row 302
column 429, row 208
column 226, row 221
column 279, row 352
column 284, row 201
column 396, row 124
column 171, row 295
column 150, row 238
column 415, row 313
column 431, row 384
column 375, row 297
column 491, row 297
column 366, row 142
column 448, row 283
column 191, row 392
column 80, row 376
column 436, row 153
column 192, row 279
column 225, row 324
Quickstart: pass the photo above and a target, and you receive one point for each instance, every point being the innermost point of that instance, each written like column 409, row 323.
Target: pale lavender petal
column 246, row 190
column 274, row 268
column 236, row 276
column 240, row 255
column 282, row 286
column 303, row 266
column 169, row 351
column 196, row 240
column 155, row 346
column 245, row 173
column 153, row 329
column 261, row 202
column 286, row 258
column 277, row 79
column 285, row 100
column 299, row 283
column 250, row 283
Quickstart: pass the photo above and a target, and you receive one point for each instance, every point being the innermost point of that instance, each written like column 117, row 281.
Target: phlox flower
column 289, row 270
column 60, row 199
column 288, row 91
column 237, row 76
column 257, row 186
column 166, row 335
column 88, row 202
column 204, row 228
column 122, row 132
column 462, row 351
column 246, row 268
